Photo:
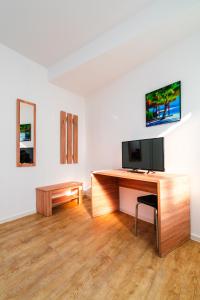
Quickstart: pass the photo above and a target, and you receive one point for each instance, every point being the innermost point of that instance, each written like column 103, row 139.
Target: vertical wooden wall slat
column 63, row 137
column 75, row 138
column 69, row 138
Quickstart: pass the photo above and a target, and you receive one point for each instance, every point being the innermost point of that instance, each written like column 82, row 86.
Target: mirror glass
column 26, row 135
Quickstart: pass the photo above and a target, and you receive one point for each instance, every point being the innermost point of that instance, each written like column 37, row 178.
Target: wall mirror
column 25, row 134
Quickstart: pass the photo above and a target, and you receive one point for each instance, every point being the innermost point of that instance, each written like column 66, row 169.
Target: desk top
column 151, row 177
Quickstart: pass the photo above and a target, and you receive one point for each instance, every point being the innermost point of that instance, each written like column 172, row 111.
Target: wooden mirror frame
column 18, row 163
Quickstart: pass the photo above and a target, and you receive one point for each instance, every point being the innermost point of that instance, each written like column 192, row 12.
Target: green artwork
column 164, row 105
column 25, row 132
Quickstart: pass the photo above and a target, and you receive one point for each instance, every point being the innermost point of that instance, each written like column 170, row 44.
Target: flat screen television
column 145, row 154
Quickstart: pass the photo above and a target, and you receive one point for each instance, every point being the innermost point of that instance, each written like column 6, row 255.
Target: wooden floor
column 72, row 256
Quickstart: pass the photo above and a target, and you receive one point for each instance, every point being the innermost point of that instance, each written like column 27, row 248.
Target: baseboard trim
column 24, row 214
column 17, row 216
column 195, row 237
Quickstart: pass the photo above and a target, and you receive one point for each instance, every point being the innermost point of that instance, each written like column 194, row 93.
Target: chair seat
column 151, row 200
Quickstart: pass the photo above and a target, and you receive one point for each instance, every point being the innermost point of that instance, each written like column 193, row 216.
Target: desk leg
column 105, row 195
column 173, row 214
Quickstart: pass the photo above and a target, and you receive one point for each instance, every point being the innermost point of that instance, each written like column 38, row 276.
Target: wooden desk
column 50, row 196
column 173, row 201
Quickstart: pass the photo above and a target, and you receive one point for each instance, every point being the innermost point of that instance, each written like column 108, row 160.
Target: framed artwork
column 25, row 132
column 164, row 105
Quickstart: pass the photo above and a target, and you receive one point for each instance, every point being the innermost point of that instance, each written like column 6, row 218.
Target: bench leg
column 80, row 192
column 47, row 201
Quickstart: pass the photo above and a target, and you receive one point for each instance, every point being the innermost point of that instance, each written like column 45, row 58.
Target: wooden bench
column 50, row 196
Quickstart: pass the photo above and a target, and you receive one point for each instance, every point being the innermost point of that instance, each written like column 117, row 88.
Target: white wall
column 21, row 78
column 117, row 113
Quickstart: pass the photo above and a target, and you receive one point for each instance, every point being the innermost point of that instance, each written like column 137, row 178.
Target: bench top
column 64, row 185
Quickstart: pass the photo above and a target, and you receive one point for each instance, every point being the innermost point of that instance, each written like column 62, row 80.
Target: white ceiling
column 127, row 45
column 85, row 44
column 46, row 31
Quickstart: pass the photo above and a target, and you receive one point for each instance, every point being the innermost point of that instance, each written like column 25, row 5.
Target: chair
column 150, row 200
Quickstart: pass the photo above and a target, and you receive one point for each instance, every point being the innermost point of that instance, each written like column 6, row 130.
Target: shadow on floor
column 146, row 230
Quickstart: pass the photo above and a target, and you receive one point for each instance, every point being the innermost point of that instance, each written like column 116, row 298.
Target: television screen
column 145, row 154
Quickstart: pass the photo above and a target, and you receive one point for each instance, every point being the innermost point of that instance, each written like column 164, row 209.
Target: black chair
column 150, row 200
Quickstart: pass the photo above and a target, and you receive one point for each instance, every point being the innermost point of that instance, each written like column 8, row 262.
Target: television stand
column 141, row 171
column 137, row 171
column 150, row 172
